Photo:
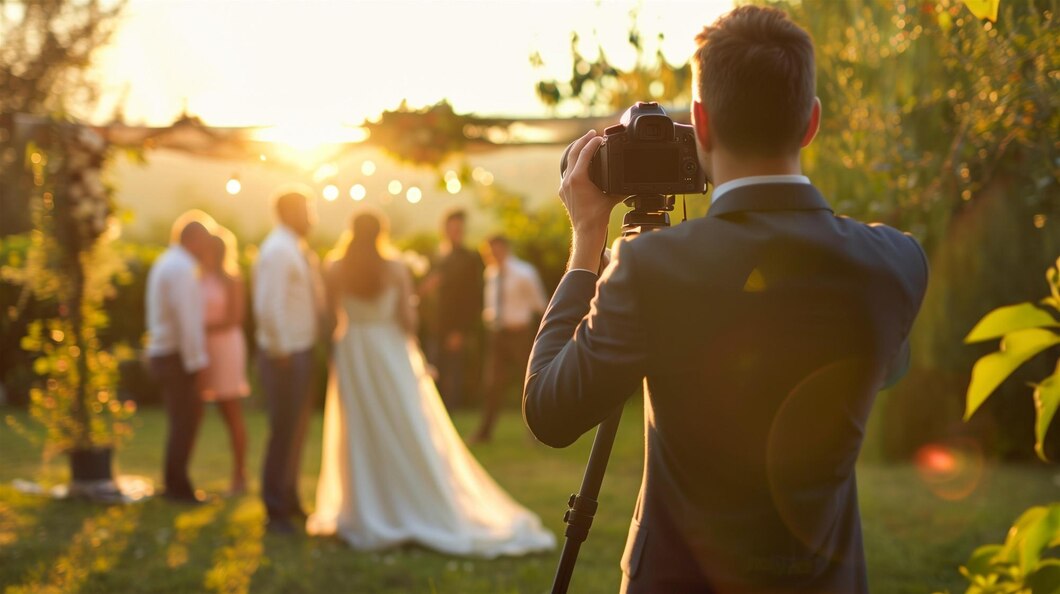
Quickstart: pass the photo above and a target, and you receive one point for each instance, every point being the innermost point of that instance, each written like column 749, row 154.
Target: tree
column 600, row 87
column 46, row 48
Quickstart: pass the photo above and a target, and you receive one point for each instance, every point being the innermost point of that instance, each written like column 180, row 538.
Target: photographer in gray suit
column 762, row 333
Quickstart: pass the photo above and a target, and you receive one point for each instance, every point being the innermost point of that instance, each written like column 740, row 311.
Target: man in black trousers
column 762, row 333
column 456, row 275
column 176, row 345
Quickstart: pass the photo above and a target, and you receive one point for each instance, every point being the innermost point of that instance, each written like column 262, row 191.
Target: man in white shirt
column 176, row 345
column 288, row 301
column 513, row 300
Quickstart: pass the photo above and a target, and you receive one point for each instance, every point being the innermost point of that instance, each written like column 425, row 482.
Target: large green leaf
column 983, row 9
column 991, row 370
column 1030, row 536
column 1011, row 318
column 1046, row 401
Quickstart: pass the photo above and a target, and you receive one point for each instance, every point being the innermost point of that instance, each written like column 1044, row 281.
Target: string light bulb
column 394, row 187
column 358, row 192
column 414, row 195
column 331, row 192
column 233, row 186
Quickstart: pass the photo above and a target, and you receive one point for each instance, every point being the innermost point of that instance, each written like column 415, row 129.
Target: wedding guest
column 514, row 298
column 456, row 275
column 176, row 345
column 226, row 375
column 288, row 298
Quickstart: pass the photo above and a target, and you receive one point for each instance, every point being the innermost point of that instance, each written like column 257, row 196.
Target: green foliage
column 1022, row 565
column 70, row 266
column 601, row 87
column 46, row 48
column 926, row 106
column 424, row 137
column 540, row 236
column 1027, row 330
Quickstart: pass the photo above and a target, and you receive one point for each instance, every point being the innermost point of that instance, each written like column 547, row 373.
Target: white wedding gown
column 393, row 469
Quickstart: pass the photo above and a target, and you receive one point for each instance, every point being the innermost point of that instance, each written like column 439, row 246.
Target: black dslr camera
column 646, row 153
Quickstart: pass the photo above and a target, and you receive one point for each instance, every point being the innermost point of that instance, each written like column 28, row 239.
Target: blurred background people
column 226, row 383
column 288, row 302
column 513, row 301
column 176, row 344
column 456, row 276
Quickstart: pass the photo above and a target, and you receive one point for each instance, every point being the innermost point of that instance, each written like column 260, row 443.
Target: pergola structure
column 420, row 137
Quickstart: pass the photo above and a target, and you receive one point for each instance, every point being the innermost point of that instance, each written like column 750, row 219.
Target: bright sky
column 320, row 64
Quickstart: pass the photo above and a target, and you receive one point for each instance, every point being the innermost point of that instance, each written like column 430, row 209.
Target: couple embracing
column 393, row 468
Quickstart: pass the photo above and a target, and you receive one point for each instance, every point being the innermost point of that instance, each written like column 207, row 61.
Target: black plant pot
column 91, row 465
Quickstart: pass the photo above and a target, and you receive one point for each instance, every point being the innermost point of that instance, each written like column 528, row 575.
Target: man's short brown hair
column 755, row 75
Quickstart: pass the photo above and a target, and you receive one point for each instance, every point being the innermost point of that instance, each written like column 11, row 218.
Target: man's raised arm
column 589, row 354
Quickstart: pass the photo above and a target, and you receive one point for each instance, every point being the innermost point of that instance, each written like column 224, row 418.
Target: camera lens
column 690, row 166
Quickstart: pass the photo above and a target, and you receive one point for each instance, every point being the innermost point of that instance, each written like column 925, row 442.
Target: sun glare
column 309, row 137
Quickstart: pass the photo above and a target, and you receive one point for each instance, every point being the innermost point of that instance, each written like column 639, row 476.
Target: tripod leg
column 581, row 508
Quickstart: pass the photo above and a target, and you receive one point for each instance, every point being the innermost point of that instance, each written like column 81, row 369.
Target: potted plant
column 71, row 265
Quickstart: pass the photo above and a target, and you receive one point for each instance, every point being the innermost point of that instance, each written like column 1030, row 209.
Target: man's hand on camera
column 588, row 207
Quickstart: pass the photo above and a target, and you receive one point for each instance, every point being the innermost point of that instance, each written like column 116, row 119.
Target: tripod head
column 648, row 212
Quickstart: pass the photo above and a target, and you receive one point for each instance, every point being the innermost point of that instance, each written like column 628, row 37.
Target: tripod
column 648, row 212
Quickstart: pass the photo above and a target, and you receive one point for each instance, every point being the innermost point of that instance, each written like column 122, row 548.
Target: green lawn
column 914, row 539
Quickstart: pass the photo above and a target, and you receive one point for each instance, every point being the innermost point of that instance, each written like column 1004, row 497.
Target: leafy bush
column 1025, row 330
column 1022, row 565
column 1029, row 560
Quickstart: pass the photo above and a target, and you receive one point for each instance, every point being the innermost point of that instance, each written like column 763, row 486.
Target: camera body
column 646, row 153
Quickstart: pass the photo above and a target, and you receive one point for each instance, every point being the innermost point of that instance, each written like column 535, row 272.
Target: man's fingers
column 581, row 167
column 576, row 150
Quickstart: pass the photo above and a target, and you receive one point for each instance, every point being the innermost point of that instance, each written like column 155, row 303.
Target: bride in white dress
column 394, row 470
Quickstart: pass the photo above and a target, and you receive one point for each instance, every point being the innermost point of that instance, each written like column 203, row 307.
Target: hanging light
column 331, row 192
column 414, row 195
column 358, row 192
column 233, row 186
column 482, row 176
column 394, row 187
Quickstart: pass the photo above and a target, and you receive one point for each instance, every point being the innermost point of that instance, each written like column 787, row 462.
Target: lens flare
column 951, row 470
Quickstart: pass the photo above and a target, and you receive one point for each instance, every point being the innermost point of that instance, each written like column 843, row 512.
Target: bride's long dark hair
column 362, row 266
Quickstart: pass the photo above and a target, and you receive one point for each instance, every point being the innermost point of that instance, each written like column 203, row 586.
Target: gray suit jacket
column 763, row 333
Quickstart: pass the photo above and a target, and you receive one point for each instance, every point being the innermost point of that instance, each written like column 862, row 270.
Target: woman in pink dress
column 226, row 376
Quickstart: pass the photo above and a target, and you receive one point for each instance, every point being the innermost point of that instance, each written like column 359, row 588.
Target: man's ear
column 814, row 125
column 701, row 124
